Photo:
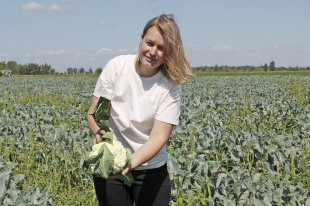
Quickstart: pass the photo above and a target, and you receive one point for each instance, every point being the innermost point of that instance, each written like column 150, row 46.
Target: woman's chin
column 148, row 65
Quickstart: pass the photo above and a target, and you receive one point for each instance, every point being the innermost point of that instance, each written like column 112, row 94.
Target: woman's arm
column 159, row 136
column 91, row 122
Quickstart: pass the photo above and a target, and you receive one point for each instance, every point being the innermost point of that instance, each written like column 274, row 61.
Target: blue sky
column 80, row 33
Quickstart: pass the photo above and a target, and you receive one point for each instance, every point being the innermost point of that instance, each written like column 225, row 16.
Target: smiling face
column 151, row 52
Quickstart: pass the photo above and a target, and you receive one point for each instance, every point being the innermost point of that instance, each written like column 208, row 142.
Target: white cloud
column 38, row 7
column 104, row 50
column 33, row 7
column 51, row 53
column 57, row 8
column 252, row 54
column 3, row 54
column 221, row 48
column 78, row 54
column 103, row 23
column 191, row 45
column 122, row 50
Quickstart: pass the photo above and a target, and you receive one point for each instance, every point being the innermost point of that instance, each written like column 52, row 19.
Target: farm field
column 241, row 140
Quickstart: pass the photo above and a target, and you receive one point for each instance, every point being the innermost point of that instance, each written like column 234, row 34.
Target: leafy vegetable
column 12, row 194
column 108, row 157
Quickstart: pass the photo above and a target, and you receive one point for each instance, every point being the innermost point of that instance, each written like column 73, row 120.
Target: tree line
column 44, row 69
column 81, row 70
column 265, row 67
column 27, row 69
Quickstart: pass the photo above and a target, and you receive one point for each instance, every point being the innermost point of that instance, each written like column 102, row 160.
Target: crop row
column 240, row 141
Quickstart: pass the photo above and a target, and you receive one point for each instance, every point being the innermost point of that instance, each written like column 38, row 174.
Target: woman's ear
column 141, row 36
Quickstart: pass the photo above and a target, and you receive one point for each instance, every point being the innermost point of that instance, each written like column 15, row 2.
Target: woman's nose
column 153, row 51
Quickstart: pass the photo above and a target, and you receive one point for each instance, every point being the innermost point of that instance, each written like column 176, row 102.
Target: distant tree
column 52, row 71
column 45, row 69
column 222, row 68
column 90, row 70
column 2, row 65
column 281, row 68
column 227, row 69
column 265, row 67
column 12, row 66
column 216, row 68
column 272, row 66
column 98, row 70
column 70, row 70
column 81, row 70
column 75, row 70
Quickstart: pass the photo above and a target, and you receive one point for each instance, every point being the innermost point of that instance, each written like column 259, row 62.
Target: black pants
column 150, row 187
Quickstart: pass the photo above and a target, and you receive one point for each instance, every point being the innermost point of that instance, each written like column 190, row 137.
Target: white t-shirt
column 136, row 103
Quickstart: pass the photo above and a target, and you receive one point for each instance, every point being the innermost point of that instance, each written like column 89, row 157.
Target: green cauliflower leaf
column 100, row 113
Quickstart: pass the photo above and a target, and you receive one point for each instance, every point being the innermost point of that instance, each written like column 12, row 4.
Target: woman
column 145, row 96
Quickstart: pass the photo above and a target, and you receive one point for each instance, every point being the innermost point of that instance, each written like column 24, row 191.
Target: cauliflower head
column 116, row 149
column 120, row 156
column 95, row 149
column 109, row 156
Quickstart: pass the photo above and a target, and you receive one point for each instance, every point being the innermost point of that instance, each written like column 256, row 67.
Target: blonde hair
column 176, row 66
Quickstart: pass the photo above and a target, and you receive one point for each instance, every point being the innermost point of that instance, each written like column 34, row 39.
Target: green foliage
column 81, row 70
column 272, row 66
column 98, row 70
column 100, row 113
column 34, row 134
column 26, row 69
column 241, row 140
column 247, row 68
column 11, row 193
column 255, row 73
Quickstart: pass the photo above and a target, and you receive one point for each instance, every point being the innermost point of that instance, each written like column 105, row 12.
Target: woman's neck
column 145, row 72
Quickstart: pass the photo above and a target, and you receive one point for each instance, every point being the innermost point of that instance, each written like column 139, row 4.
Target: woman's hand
column 125, row 171
column 98, row 136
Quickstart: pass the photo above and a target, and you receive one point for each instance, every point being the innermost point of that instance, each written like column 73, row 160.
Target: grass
column 47, row 168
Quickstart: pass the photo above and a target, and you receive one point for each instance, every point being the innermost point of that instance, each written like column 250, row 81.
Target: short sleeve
column 105, row 83
column 169, row 109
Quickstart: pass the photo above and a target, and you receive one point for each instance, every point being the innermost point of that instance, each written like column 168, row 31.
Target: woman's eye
column 160, row 48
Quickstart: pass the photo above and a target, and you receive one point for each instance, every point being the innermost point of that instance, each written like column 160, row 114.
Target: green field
column 256, row 73
column 242, row 140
